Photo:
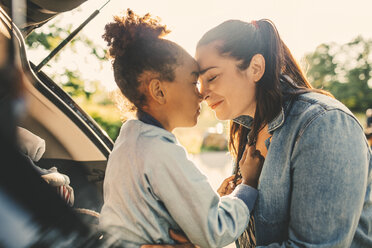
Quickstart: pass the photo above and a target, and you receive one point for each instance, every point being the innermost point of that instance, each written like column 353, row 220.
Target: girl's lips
column 216, row 104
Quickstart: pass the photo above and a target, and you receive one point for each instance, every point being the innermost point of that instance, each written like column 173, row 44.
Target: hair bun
column 128, row 30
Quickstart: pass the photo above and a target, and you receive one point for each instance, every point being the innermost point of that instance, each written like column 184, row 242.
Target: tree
column 345, row 71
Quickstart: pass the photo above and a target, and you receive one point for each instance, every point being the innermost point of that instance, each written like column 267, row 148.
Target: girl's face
column 229, row 91
column 183, row 96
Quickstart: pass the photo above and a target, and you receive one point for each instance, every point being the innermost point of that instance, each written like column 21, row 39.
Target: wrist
column 250, row 182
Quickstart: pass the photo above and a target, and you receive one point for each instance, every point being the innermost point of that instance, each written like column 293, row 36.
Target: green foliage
column 49, row 40
column 322, row 68
column 74, row 86
column 212, row 149
column 112, row 128
column 345, row 71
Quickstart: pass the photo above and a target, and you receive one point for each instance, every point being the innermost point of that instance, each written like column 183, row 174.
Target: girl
column 150, row 186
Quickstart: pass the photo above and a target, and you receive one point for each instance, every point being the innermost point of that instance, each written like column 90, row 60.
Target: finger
column 252, row 150
column 257, row 153
column 231, row 185
column 185, row 246
column 225, row 184
column 244, row 156
column 222, row 188
column 178, row 237
column 230, row 178
column 229, row 190
column 226, row 181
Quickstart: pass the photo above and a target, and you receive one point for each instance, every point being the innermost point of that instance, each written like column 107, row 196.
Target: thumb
column 244, row 156
column 178, row 236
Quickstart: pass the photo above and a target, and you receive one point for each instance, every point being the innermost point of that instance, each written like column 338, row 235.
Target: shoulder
column 320, row 115
column 316, row 102
column 147, row 144
column 144, row 132
column 152, row 142
column 310, row 106
column 142, row 137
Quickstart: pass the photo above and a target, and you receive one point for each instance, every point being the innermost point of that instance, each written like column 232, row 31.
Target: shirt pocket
column 273, row 202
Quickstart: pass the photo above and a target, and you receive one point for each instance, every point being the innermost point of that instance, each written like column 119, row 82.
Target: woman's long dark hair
column 242, row 40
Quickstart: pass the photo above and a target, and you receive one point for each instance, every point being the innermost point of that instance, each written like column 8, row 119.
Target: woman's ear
column 157, row 91
column 257, row 67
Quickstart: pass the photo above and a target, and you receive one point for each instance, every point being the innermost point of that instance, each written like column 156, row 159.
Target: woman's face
column 183, row 95
column 229, row 91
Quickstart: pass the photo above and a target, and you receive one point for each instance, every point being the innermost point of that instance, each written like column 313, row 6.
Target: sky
column 302, row 24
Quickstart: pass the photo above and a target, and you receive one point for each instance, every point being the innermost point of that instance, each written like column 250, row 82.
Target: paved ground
column 216, row 166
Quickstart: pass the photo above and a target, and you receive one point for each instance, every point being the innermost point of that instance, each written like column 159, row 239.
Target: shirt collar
column 148, row 119
column 246, row 121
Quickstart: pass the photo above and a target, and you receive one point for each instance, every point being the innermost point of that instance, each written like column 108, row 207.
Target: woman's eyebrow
column 205, row 70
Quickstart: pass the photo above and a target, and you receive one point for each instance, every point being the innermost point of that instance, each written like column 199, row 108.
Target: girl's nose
column 204, row 91
column 200, row 97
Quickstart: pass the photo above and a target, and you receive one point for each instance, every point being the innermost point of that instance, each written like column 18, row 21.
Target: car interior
column 74, row 143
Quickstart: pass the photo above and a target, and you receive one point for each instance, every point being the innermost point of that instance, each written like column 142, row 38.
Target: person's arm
column 330, row 168
column 206, row 219
column 180, row 238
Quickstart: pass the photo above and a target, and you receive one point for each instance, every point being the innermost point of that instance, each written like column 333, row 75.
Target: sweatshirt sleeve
column 207, row 219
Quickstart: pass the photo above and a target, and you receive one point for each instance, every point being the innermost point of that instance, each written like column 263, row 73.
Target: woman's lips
column 215, row 105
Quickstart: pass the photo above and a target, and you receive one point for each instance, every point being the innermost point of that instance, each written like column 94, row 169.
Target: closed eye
column 212, row 78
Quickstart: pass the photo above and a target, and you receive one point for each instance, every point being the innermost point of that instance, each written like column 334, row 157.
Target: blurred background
column 332, row 40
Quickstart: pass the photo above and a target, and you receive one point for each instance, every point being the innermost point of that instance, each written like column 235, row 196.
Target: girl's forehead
column 189, row 62
column 188, row 67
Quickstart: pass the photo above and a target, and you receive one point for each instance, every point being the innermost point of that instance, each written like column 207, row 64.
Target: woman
column 315, row 185
column 150, row 186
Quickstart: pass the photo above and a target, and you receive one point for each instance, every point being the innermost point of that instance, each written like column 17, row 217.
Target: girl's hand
column 251, row 165
column 180, row 238
column 228, row 186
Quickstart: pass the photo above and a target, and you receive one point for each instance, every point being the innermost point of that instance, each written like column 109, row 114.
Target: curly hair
column 137, row 50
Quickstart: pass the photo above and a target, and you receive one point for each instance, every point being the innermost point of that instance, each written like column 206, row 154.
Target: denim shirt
column 315, row 185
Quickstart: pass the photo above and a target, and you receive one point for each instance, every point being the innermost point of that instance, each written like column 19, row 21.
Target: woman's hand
column 180, row 238
column 251, row 165
column 228, row 186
